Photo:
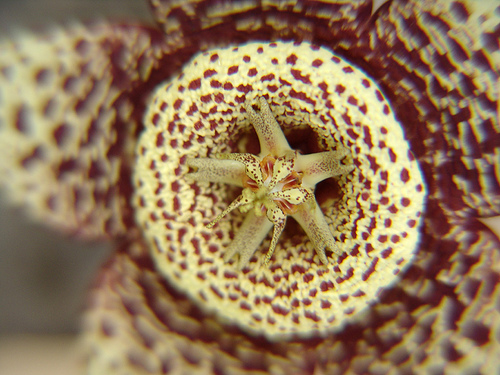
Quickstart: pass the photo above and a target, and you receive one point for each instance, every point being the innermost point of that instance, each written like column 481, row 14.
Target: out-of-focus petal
column 193, row 25
column 438, row 62
column 438, row 320
column 71, row 101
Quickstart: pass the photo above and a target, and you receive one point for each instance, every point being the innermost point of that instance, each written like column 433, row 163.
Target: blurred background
column 43, row 275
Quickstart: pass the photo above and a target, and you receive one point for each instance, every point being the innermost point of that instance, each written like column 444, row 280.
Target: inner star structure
column 277, row 183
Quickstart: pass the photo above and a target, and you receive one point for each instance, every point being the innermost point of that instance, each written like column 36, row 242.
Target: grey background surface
column 43, row 275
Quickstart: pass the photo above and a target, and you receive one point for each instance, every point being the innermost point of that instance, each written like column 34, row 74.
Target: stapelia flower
column 126, row 132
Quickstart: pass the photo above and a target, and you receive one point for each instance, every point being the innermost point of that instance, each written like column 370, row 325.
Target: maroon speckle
column 393, row 209
column 246, row 58
column 365, row 83
column 159, row 140
column 230, row 275
column 155, row 119
column 325, row 304
column 386, row 253
column 209, row 73
column 392, row 156
column 252, row 72
column 219, row 98
column 459, row 11
column 386, row 109
column 339, row 89
column 216, row 291
column 68, row 165
column 260, row 50
column 268, row 77
column 42, row 77
column 214, row 57
column 297, row 74
column 280, row 310
column 352, row 100
column 206, row 98
column 192, row 109
column 232, row 70
column 69, row 84
column 405, row 202
column 395, row 239
column 352, row 134
column 347, row 120
column 383, row 130
column 215, row 84
column 379, row 96
column 301, row 96
column 177, row 204
column 387, row 223
column 61, row 133
column 366, row 275
column 22, row 119
column 348, row 69
column 382, row 238
column 292, row 59
column 36, row 154
column 272, row 88
column 405, row 175
column 368, row 137
column 177, row 104
column 245, row 306
column 228, row 86
column 335, row 59
column 412, row 223
column 195, row 84
column 308, row 277
column 312, row 316
column 477, row 331
column 317, row 63
column 244, row 88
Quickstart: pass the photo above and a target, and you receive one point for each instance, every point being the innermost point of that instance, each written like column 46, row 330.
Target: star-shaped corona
column 277, row 183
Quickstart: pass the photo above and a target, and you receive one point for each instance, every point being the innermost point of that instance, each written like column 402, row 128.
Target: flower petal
column 433, row 321
column 374, row 223
column 217, row 170
column 70, row 105
column 437, row 61
column 252, row 232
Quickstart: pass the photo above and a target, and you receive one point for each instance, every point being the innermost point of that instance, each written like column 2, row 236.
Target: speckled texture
column 375, row 221
column 69, row 111
column 437, row 63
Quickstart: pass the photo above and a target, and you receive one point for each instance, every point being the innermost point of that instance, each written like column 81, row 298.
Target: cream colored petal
column 251, row 163
column 70, row 104
column 312, row 220
column 271, row 138
column 248, row 238
column 319, row 166
column 216, row 170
